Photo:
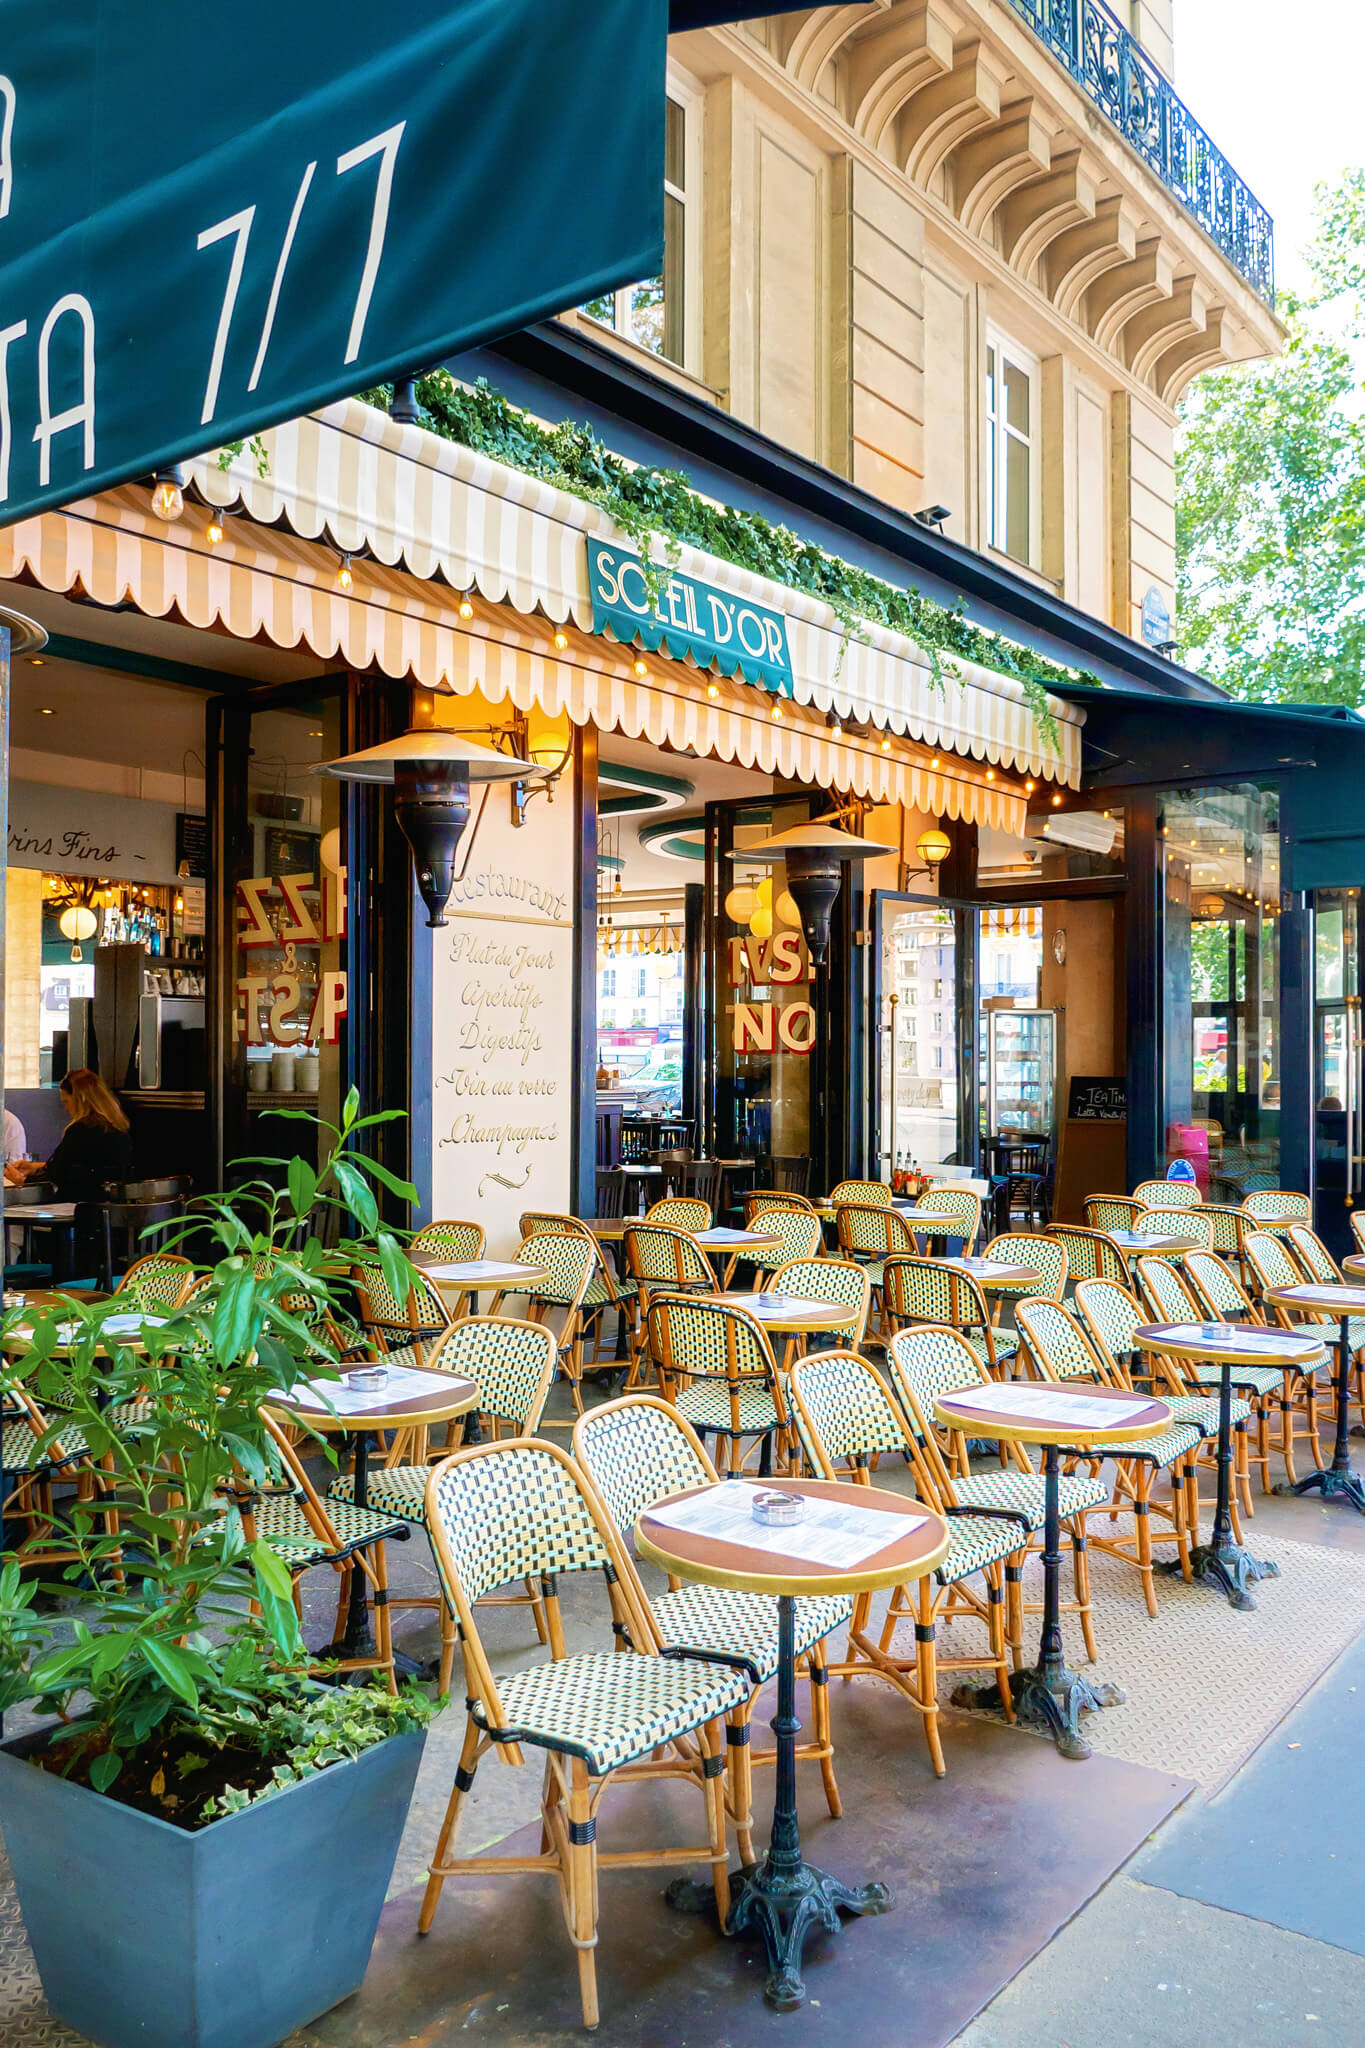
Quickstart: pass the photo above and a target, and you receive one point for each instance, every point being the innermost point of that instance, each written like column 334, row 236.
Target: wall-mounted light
column 78, row 921
column 548, row 748
column 816, row 856
column 430, row 773
column 935, row 517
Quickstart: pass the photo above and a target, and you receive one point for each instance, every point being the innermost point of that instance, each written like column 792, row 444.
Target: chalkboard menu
column 1097, row 1098
column 192, row 842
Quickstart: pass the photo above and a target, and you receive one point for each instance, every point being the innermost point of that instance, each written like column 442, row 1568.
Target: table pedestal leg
column 356, row 1638
column 1223, row 1560
column 784, row 1897
column 1338, row 1482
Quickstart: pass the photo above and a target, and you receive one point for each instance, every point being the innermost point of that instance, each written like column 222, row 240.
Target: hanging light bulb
column 466, row 606
column 77, row 922
column 168, row 494
column 561, row 639
column 213, row 532
column 343, row 578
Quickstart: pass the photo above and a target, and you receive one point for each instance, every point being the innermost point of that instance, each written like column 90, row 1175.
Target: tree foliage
column 1270, row 491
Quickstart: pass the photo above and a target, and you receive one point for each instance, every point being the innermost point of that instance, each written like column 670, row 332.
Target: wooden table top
column 791, row 1313
column 1334, row 1297
column 908, row 1554
column 476, row 1276
column 718, row 1237
column 1353, row 1265
column 990, row 1273
column 1035, row 1412
column 1274, row 1224
column 1151, row 1241
column 446, row 1395
column 1239, row 1343
column 30, row 1212
column 123, row 1327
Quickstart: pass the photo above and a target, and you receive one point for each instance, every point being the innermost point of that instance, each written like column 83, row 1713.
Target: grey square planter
column 147, row 1936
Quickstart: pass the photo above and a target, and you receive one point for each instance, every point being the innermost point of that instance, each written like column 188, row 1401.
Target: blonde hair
column 90, row 1102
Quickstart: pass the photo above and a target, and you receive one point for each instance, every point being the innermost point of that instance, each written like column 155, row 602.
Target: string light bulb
column 561, row 639
column 168, row 496
column 713, row 690
column 343, row 578
column 213, row 532
column 466, row 606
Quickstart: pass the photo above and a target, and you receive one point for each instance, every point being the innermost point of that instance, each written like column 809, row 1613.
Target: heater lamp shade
column 815, row 855
column 818, row 838
column 434, row 752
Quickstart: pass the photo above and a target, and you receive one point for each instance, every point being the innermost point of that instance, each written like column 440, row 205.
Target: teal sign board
column 216, row 218
column 715, row 627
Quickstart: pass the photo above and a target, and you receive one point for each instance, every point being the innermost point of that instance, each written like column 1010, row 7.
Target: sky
column 1278, row 89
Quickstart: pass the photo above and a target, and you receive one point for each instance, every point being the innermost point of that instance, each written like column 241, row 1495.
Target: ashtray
column 771, row 1505
column 11, row 1298
column 364, row 1376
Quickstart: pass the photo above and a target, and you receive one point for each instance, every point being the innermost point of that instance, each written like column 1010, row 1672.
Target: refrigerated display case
column 1021, row 1071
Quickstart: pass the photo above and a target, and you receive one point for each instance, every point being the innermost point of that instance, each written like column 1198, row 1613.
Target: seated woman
column 94, row 1148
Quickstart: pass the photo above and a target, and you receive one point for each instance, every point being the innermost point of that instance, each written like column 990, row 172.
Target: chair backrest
column 680, row 1212
column 791, row 1176
column 958, row 1202
column 423, row 1314
column 160, row 1281
column 1162, row 1291
column 1312, row 1254
column 1278, row 1202
column 1214, row 1285
column 1046, row 1255
column 1057, row 1344
column 844, row 1413
column 450, row 1240
column 875, row 1193
column 1018, row 1154
column 1089, row 1253
column 759, row 1201
column 570, row 1258
column 840, row 1281
column 930, row 1291
column 693, row 1338
column 1357, row 1219
column 701, row 1180
column 1110, row 1316
column 799, row 1230
column 658, row 1253
column 1227, row 1227
column 288, row 1468
column 1109, row 1212
column 869, row 1229
column 637, row 1451
column 1271, row 1262
column 1168, row 1194
column 922, row 1364
column 1188, row 1223
column 511, row 1362
column 611, row 1191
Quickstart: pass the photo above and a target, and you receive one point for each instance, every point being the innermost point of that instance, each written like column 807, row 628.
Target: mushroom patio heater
column 430, row 773
column 816, row 855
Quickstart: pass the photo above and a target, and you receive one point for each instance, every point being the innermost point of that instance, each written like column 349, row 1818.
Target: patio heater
column 816, row 855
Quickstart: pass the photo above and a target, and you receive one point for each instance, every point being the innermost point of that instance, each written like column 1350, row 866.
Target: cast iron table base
column 783, row 1898
column 1224, row 1561
column 1339, row 1481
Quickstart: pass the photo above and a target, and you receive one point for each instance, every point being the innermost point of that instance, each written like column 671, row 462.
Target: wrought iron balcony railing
column 1125, row 85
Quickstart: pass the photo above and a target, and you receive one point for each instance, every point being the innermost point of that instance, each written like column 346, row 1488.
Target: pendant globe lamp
column 430, row 773
column 817, row 856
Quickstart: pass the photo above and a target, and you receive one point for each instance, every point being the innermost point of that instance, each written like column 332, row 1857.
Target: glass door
column 923, row 1069
column 1337, row 1077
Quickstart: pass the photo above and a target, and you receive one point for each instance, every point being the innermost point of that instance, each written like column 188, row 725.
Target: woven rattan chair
column 1270, row 1263
column 680, row 1212
column 1357, row 1222
column 1162, row 1293
column 1168, row 1194
column 606, row 1290
column 875, row 1193
column 800, row 1232
column 446, row 1239
column 1090, row 1254
column 716, row 1368
column 38, row 1452
column 571, row 1260
column 962, row 1205
column 512, row 1365
column 502, row 1512
column 845, row 1418
column 1172, row 1222
column 928, row 1291
column 1046, row 1255
column 1109, row 1212
column 925, row 1363
column 869, row 1234
column 1227, row 1229
column 759, row 1201
column 1059, row 1349
column 838, row 1281
column 661, row 1255
column 1277, row 1202
column 403, row 1331
column 637, row 1451
column 158, row 1284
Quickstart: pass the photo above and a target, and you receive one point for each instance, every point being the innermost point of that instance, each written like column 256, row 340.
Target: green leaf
column 172, row 1666
column 359, row 1195
column 350, row 1109
column 272, row 1573
column 404, row 1189
column 303, row 1186
column 104, row 1768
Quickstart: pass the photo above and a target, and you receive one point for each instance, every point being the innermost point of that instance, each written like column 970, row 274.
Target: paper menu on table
column 832, row 1533
column 1048, row 1406
column 322, row 1396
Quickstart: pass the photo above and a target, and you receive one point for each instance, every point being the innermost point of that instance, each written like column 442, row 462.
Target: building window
column 608, row 987
column 662, row 313
column 642, row 981
column 1013, row 471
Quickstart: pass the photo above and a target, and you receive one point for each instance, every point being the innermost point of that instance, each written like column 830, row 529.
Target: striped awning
column 1025, row 920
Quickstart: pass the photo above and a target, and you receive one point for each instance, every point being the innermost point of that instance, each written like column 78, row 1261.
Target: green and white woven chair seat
column 283, row 1524
column 1161, row 1450
column 1255, row 1379
column 20, row 1451
column 605, row 1290
column 1006, row 1344
column 392, row 1490
column 740, row 1628
column 973, row 1541
column 1023, row 1491
column 706, row 1405
column 1202, row 1410
column 611, row 1708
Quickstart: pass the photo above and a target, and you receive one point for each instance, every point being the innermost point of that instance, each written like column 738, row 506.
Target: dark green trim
column 667, row 838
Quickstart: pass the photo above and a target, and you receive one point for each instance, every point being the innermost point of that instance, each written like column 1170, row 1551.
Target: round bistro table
column 445, row 1396
column 1224, row 1560
column 1353, row 1266
column 1339, row 1481
column 1048, row 1694
column 792, row 1315
column 784, row 1897
column 992, row 1275
column 1137, row 1241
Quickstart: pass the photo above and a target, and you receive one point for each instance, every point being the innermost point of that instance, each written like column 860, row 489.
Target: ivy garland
column 652, row 505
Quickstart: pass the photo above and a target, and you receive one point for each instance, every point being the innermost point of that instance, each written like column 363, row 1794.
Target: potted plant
column 202, row 1833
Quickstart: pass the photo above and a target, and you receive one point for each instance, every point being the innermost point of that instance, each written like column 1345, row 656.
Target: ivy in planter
column 654, row 505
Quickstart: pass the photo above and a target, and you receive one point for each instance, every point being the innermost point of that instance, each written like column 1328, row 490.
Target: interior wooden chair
column 845, row 1419
column 570, row 1260
column 680, row 1212
column 927, row 1291
column 610, row 1194
column 661, row 1255
column 1091, row 1254
column 921, row 1365
column 701, row 1179
column 638, row 1450
column 875, row 1193
column 838, row 1281
column 1168, row 1194
column 716, row 1368
column 501, row 1512
column 1111, row 1315
column 1109, row 1212
column 1059, row 1349
column 961, row 1204
column 791, row 1175
column 1270, row 1263
column 512, row 1364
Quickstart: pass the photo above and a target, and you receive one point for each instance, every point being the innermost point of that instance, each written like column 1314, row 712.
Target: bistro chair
column 1227, row 1229
column 1356, row 1218
column 846, row 1419
column 637, row 1451
column 869, row 1234
column 959, row 1203
column 800, row 1232
column 606, row 1290
column 36, row 1454
column 158, row 1284
column 1162, row 1293
column 1270, row 1263
column 661, row 1255
column 680, row 1212
column 402, row 1331
column 1277, row 1202
column 1168, row 1194
column 512, row 1364
column 927, row 1291
column 759, row 1201
column 716, row 1368
column 610, row 1197
column 1090, row 1254
column 1109, row 1212
column 874, row 1193
column 1059, row 1349
column 791, row 1176
column 923, row 1364
column 701, row 1179
column 839, row 1281
column 522, row 1510
column 1307, row 1249
column 570, row 1261
column 1173, row 1222
column 1111, row 1316
column 1019, row 1162
column 1046, row 1255
column 448, row 1240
